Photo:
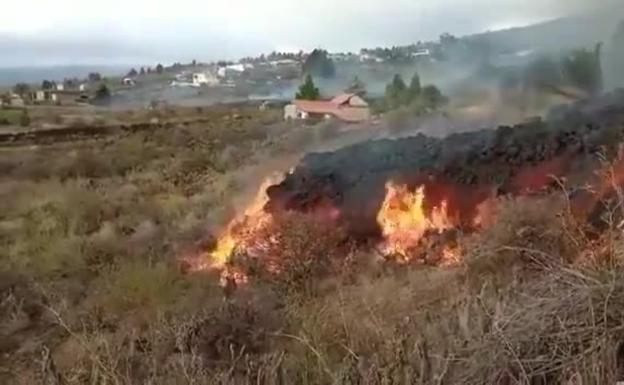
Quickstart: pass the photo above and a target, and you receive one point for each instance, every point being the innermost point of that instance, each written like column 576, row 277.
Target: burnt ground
column 463, row 168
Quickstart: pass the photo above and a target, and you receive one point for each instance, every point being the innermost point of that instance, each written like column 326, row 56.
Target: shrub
column 297, row 250
column 136, row 286
column 24, row 120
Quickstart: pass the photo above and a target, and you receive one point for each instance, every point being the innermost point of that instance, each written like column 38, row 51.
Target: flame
column 243, row 225
column 451, row 256
column 404, row 220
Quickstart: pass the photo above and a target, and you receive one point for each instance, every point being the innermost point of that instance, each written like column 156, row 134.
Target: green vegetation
column 308, row 91
column 356, row 86
column 24, row 119
column 11, row 116
column 418, row 99
column 583, row 69
column 102, row 96
column 319, row 64
column 21, row 89
column 580, row 68
column 94, row 77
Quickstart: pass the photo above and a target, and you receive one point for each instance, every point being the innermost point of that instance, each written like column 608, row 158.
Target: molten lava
column 404, row 220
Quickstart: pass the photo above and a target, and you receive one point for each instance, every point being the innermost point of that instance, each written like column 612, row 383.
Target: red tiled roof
column 323, row 107
column 342, row 99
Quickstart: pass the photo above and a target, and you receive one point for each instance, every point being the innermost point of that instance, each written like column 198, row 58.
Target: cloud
column 144, row 31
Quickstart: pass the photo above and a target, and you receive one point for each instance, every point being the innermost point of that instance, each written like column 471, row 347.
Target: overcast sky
column 43, row 32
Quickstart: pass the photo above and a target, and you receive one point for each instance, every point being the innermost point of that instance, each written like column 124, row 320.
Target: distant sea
column 12, row 75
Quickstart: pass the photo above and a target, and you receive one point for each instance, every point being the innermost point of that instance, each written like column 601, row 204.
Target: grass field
column 92, row 292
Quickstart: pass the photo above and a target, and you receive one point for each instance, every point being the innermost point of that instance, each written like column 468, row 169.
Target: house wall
column 290, row 112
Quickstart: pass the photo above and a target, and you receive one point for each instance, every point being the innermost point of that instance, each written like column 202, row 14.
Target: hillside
column 560, row 34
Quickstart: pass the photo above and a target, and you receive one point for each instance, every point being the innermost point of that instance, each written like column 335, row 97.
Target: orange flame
column 243, row 225
column 404, row 220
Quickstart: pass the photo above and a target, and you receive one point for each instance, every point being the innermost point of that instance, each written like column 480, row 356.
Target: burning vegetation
column 412, row 200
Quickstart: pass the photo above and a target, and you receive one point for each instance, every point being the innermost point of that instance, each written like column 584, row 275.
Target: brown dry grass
column 90, row 291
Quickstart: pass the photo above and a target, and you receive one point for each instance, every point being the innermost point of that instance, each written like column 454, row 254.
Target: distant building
column 62, row 97
column 424, row 52
column 230, row 70
column 346, row 107
column 284, row 63
column 70, row 97
column 59, row 86
column 204, row 79
column 128, row 82
column 43, row 96
column 83, row 87
column 12, row 100
column 367, row 57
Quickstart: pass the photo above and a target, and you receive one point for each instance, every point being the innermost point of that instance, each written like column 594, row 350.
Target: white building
column 421, row 53
column 128, row 82
column 14, row 100
column 230, row 70
column 44, row 96
column 204, row 79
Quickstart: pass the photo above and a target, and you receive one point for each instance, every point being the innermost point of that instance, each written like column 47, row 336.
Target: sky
column 45, row 32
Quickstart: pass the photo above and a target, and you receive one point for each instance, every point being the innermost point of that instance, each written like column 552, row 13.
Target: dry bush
column 53, row 219
column 294, row 252
column 199, row 339
column 528, row 233
column 140, row 287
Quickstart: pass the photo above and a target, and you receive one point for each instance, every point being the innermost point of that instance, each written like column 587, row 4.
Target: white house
column 421, row 53
column 230, row 70
column 128, row 82
column 59, row 87
column 44, row 96
column 204, row 79
column 14, row 100
column 236, row 67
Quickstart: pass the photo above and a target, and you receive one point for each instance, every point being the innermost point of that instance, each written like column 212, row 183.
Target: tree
column 21, row 89
column 24, row 120
column 419, row 99
column 142, row 71
column 47, row 85
column 583, row 69
column 132, row 73
column 159, row 69
column 543, row 72
column 432, row 98
column 102, row 96
column 356, row 86
column 318, row 63
column 94, row 77
column 447, row 39
column 415, row 88
column 396, row 92
column 615, row 61
column 308, row 91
